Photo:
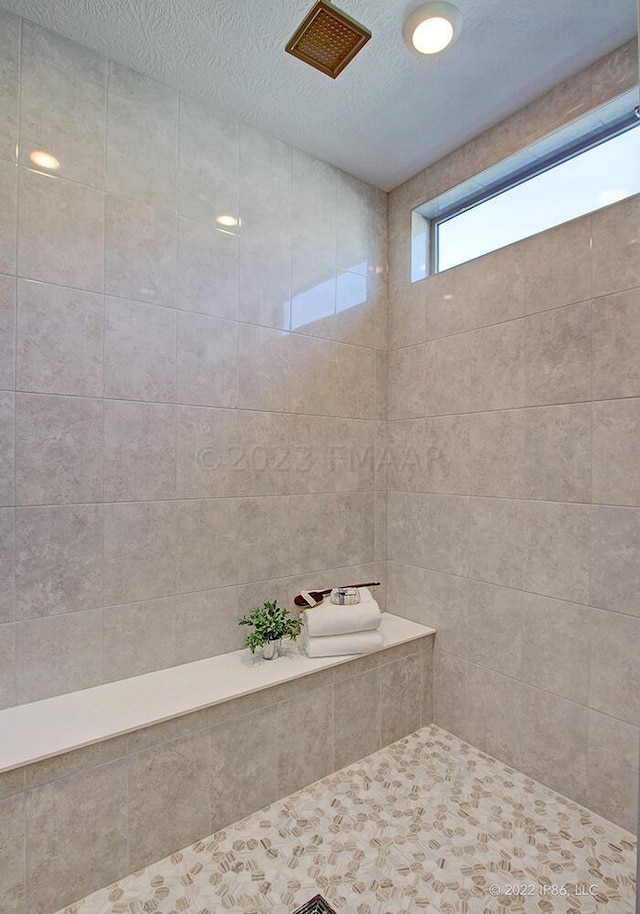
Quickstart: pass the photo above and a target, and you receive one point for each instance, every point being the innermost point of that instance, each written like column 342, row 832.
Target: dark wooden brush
column 318, row 595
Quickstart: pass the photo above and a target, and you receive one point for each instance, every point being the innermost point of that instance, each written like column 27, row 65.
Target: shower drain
column 315, row 905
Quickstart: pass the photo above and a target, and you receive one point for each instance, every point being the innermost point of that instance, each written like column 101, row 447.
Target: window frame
column 590, row 140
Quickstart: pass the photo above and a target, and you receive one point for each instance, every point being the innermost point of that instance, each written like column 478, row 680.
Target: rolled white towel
column 330, row 619
column 338, row 645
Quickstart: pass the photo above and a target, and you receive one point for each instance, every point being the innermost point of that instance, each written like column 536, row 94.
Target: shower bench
column 104, row 781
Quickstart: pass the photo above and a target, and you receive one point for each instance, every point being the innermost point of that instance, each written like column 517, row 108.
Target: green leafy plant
column 270, row 623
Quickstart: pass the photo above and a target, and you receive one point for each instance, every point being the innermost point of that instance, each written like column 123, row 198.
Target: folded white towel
column 337, row 645
column 330, row 619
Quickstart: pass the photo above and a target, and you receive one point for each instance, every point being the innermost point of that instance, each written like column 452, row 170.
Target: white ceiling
column 391, row 112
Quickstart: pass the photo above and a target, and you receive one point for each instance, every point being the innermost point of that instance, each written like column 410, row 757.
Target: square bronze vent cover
column 328, row 39
column 316, row 905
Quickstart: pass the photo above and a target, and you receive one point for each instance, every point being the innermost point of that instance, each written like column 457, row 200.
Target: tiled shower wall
column 184, row 411
column 514, row 492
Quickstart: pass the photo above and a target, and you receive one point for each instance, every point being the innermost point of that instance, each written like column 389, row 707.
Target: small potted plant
column 271, row 623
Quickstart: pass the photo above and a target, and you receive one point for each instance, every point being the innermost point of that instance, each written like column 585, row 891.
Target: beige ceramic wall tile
column 141, row 255
column 614, row 681
column 207, row 373
column 237, row 790
column 61, row 232
column 264, row 285
column 450, row 693
column 264, row 457
column 139, row 551
column 496, row 453
column 494, row 620
column 447, row 375
column 140, row 451
column 59, row 340
column 355, row 381
column 616, row 345
column 265, row 187
column 264, row 538
column 400, row 697
column 263, row 368
column 10, row 30
column 496, row 541
column 12, row 856
column 305, row 754
column 62, row 104
column 407, row 382
column 7, row 448
column 497, row 366
column 207, row 452
column 557, row 266
column 7, row 564
column 58, row 449
column 169, row 798
column 494, row 716
column 58, row 560
column 138, row 638
column 558, row 355
column 614, row 232
column 58, row 654
column 8, row 664
column 207, row 270
column 207, row 624
column 77, row 761
column 209, row 162
column 557, row 460
column 554, row 741
column 142, row 137
column 357, row 717
column 8, row 216
column 444, row 460
column 140, row 351
column 206, row 551
column 616, row 444
column 615, row 559
column 612, row 769
column 407, row 314
column 557, row 543
column 555, row 654
column 7, row 331
column 405, row 528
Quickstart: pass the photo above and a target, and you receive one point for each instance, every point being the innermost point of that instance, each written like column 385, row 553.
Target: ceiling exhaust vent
column 328, row 39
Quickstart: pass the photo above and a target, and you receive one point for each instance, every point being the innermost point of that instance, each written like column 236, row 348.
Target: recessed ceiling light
column 44, row 160
column 432, row 27
column 227, row 220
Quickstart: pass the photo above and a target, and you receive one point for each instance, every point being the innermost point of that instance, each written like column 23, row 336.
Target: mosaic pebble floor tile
column 428, row 825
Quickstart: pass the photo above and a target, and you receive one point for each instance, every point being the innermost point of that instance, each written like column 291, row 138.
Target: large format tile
column 355, row 381
column 10, row 28
column 406, row 384
column 207, row 361
column 8, row 216
column 7, row 331
column 496, row 636
column 207, row 270
column 139, row 551
column 558, row 355
column 62, row 104
column 496, row 453
column 557, row 542
column 7, row 665
column 206, row 551
column 138, row 638
column 557, row 266
column 497, row 366
column 139, row 451
column 494, row 713
column 238, row 790
column 76, row 836
column 58, row 560
column 59, row 340
column 305, row 754
column 357, row 717
column 7, row 564
column 207, row 624
column 614, row 232
column 447, row 375
column 58, row 449
column 401, row 686
column 264, row 538
column 555, row 646
column 209, row 163
column 612, row 769
column 169, row 798
column 58, row 654
column 616, row 446
column 557, row 457
column 614, row 665
column 7, row 448
column 265, row 187
column 616, row 345
column 264, row 285
column 12, row 856
column 141, row 251
column 140, row 351
column 61, row 232
column 615, row 559
column 496, row 552
column 142, row 134
column 207, row 452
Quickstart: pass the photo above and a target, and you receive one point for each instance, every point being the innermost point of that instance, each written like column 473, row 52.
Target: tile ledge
column 43, row 729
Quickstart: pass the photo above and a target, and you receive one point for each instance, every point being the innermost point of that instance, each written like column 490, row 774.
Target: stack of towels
column 330, row 630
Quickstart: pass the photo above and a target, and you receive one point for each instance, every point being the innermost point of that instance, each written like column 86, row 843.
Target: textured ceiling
column 391, row 112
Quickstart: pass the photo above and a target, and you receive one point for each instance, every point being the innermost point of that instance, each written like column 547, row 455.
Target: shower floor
column 428, row 824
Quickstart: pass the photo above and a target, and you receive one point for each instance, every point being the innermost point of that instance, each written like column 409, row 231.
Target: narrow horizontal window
column 501, row 207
